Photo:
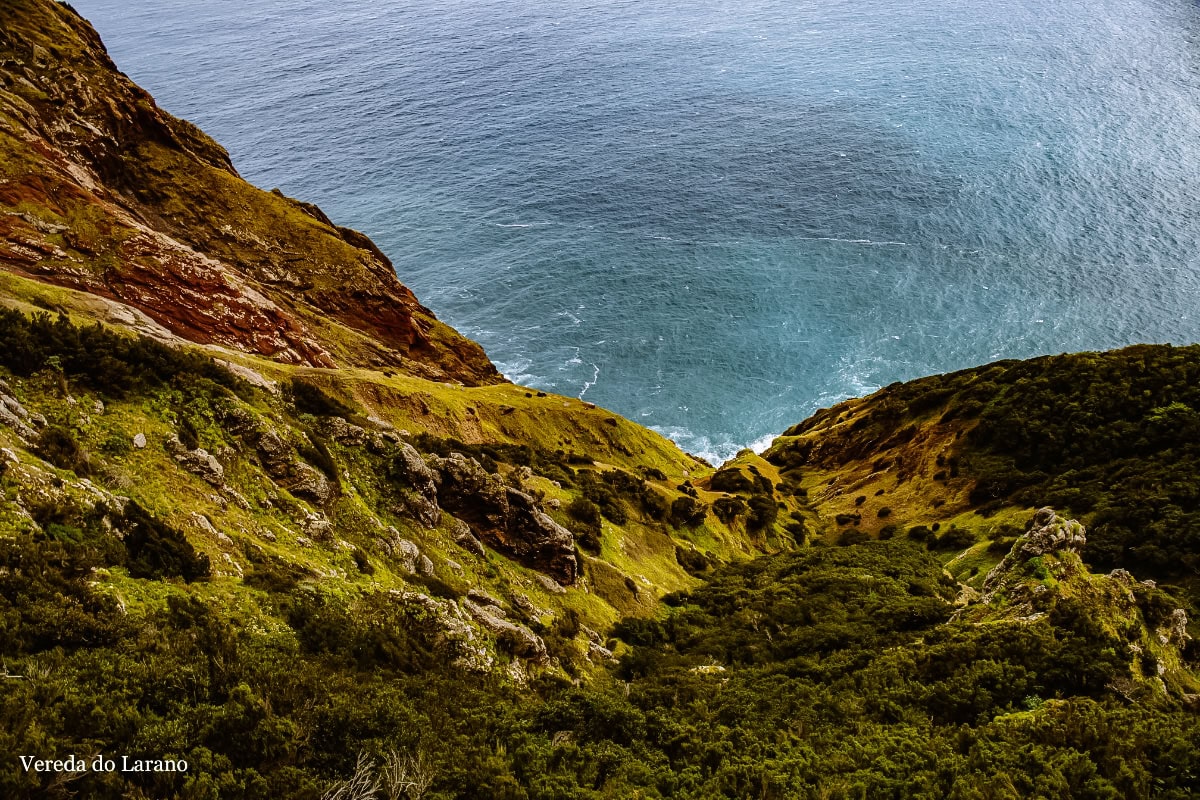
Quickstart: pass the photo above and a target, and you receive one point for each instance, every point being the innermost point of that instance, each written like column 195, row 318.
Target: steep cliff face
column 342, row 439
column 103, row 191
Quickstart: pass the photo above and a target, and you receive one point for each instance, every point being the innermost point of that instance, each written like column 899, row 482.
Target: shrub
column 693, row 561
column 763, row 512
column 727, row 509
column 587, row 526
column 156, row 550
column 312, row 399
column 919, row 533
column 58, row 446
column 102, row 359
column 686, row 512
column 655, row 504
column 953, row 539
column 731, row 479
column 852, row 537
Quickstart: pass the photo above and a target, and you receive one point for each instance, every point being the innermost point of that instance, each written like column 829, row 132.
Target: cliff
column 279, row 408
column 105, row 192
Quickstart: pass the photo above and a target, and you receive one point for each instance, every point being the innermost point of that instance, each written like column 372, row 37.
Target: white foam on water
column 761, row 444
column 715, row 453
column 589, row 384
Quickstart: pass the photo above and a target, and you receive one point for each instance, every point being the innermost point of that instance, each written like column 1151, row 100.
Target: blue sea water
column 715, row 217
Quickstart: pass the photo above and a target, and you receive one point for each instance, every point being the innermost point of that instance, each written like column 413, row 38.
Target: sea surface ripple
column 716, row 217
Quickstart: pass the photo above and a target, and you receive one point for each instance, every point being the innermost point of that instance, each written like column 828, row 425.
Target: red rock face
column 103, row 191
column 199, row 299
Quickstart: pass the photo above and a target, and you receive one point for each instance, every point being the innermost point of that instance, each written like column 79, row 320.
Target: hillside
column 262, row 512
column 1109, row 437
column 105, row 192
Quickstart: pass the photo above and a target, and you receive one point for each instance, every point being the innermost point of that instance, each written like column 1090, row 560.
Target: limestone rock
column 422, row 502
column 308, row 483
column 446, row 623
column 139, row 441
column 406, row 553
column 280, row 461
column 12, row 404
column 1175, row 630
column 14, row 415
column 598, row 652
column 204, row 525
column 1049, row 534
column 344, row 433
column 274, row 453
column 318, row 528
column 550, row 585
column 250, row 376
column 518, row 639
column 480, row 597
column 199, row 462
column 463, row 537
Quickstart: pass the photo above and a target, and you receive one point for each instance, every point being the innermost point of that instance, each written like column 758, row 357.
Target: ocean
column 716, row 217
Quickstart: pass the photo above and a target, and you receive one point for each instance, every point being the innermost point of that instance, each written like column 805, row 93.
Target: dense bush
column 58, row 446
column 586, row 523
column 824, row 667
column 727, row 509
column 310, row 398
column 104, row 361
column 157, row 550
column 687, row 512
column 1112, row 438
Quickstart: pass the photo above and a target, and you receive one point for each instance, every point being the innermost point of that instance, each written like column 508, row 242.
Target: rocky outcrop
column 279, row 458
column 199, row 462
column 1043, row 573
column 447, row 625
column 421, row 503
column 407, row 554
column 464, row 538
column 1049, row 534
column 14, row 415
column 515, row 637
column 504, row 518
